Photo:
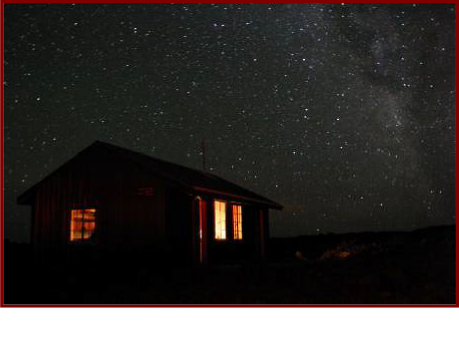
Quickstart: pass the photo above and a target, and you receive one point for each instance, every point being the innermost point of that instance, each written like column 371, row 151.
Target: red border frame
column 183, row 305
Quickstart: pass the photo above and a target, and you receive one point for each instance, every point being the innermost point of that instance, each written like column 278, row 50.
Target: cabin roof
column 200, row 182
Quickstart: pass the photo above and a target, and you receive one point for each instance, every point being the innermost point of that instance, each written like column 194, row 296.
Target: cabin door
column 200, row 212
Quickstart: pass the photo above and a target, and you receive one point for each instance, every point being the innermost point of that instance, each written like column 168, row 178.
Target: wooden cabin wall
column 179, row 226
column 123, row 217
column 252, row 231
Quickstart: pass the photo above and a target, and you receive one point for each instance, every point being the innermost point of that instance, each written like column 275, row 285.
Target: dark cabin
column 111, row 198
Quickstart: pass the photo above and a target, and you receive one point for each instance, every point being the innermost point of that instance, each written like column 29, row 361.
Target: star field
column 343, row 113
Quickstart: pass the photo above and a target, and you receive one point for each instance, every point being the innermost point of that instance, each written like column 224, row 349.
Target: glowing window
column 82, row 224
column 220, row 219
column 237, row 222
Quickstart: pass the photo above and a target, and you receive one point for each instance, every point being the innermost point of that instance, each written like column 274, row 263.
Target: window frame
column 91, row 238
column 224, row 223
column 238, row 234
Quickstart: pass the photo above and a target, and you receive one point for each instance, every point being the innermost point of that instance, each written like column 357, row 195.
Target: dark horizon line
column 319, row 234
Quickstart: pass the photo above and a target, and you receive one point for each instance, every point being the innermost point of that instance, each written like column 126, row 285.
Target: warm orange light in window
column 237, row 222
column 82, row 224
column 220, row 219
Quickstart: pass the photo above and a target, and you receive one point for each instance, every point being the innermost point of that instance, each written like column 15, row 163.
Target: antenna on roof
column 203, row 153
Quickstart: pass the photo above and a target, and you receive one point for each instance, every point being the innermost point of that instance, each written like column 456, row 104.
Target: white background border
column 229, row 335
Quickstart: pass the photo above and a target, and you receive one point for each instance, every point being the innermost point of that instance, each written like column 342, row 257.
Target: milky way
column 345, row 114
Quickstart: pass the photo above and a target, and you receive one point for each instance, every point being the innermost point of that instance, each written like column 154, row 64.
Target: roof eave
column 266, row 202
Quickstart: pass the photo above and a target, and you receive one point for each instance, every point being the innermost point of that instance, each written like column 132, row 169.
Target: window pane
column 88, row 229
column 75, row 230
column 89, row 214
column 77, row 214
column 237, row 222
column 220, row 219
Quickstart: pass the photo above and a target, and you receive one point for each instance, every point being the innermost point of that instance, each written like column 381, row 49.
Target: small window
column 82, row 224
column 237, row 222
column 220, row 219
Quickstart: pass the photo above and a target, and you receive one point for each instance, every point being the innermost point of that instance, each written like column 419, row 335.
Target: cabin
column 112, row 198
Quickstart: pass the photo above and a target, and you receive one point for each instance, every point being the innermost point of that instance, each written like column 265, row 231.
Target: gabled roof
column 199, row 182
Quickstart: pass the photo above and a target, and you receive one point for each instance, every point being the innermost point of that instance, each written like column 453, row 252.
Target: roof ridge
column 103, row 143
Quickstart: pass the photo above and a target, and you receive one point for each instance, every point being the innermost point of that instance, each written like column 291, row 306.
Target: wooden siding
column 122, row 216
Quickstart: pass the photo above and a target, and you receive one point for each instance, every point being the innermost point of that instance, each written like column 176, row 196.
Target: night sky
column 345, row 114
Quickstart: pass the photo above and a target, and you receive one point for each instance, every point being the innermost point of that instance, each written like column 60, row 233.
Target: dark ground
column 368, row 268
